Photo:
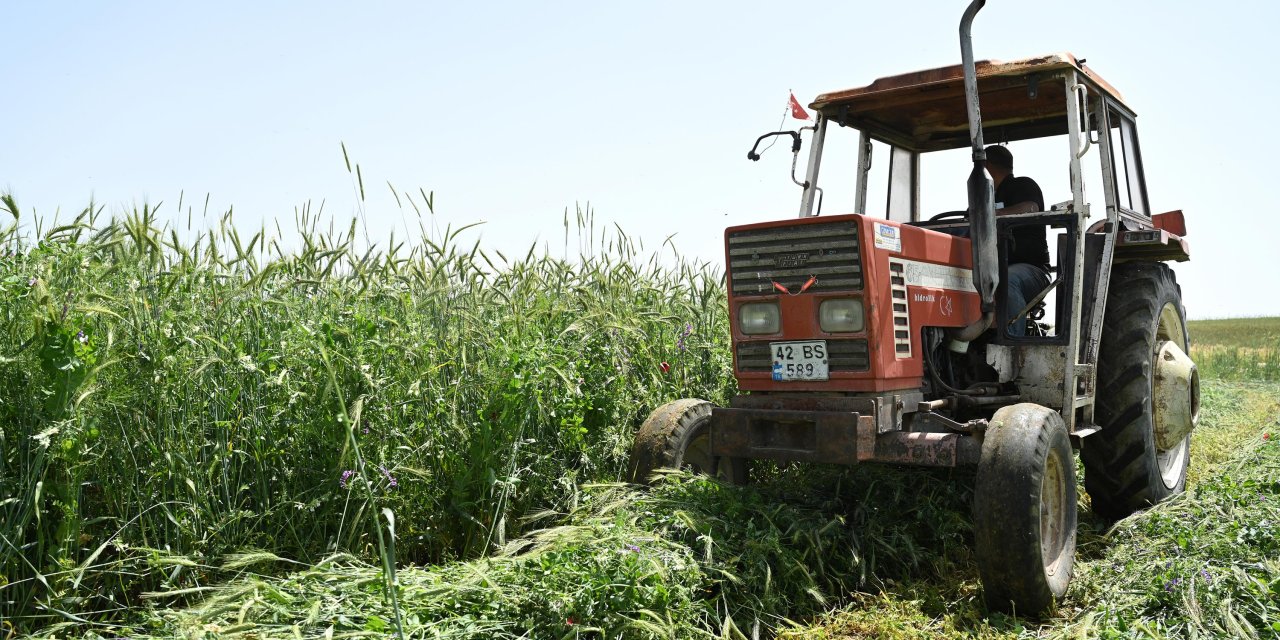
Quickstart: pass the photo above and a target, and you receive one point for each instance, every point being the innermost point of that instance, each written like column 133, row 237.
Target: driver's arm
column 1021, row 207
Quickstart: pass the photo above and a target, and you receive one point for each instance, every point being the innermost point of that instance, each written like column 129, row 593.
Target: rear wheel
column 1024, row 518
column 1126, row 468
column 678, row 436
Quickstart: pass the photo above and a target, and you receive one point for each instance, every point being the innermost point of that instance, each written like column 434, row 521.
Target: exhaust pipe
column 982, row 214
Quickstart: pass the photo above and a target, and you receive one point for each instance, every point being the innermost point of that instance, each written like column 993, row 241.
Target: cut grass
column 691, row 559
column 1142, row 578
column 1203, row 564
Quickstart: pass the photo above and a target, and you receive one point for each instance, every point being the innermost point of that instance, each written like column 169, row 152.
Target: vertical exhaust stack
column 982, row 216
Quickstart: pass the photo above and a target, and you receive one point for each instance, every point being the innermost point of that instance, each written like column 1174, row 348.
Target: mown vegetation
column 1203, row 565
column 211, row 436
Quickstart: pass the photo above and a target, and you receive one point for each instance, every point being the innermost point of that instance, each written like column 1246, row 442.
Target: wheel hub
column 1175, row 395
column 1053, row 515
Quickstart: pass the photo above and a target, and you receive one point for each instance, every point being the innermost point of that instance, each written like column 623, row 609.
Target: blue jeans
column 1025, row 281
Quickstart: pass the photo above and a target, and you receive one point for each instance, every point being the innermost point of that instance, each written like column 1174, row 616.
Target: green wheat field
column 205, row 435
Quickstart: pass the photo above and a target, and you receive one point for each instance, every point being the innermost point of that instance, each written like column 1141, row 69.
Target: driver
column 1029, row 257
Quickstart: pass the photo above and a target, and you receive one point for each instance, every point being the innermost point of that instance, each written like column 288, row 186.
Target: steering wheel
column 950, row 214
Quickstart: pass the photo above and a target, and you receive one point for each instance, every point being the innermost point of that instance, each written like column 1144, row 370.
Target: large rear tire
column 1024, row 511
column 1125, row 469
column 678, row 436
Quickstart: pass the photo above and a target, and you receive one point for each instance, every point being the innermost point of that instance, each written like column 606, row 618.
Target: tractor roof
column 925, row 110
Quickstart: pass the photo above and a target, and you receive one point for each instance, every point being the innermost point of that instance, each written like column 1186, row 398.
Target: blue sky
column 512, row 112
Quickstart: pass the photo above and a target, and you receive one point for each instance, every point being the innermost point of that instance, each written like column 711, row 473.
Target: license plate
column 799, row 360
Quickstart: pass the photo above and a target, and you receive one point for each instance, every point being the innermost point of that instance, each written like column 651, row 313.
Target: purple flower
column 688, row 330
column 346, row 475
column 1169, row 586
column 81, row 337
column 633, row 548
column 31, row 282
column 391, row 481
column 1208, row 577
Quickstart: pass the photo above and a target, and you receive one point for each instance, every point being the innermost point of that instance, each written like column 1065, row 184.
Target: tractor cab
column 1053, row 111
column 918, row 113
column 1053, row 99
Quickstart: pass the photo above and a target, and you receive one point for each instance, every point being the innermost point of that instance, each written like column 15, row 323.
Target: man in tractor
column 1029, row 257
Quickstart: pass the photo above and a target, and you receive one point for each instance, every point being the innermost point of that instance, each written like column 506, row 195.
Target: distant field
column 1237, row 349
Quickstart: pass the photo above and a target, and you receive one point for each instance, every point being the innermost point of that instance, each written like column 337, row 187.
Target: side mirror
column 752, row 155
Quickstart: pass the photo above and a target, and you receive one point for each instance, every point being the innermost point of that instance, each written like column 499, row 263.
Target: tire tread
column 1122, row 473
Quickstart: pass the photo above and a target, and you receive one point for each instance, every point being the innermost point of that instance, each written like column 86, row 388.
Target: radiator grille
column 790, row 256
column 842, row 355
column 901, row 309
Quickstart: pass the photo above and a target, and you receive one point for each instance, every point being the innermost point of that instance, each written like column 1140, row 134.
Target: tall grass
column 165, row 397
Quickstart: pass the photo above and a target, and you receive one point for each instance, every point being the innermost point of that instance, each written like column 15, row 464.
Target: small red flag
column 797, row 111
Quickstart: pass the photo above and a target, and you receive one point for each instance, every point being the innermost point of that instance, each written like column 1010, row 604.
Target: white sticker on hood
column 888, row 237
column 938, row 276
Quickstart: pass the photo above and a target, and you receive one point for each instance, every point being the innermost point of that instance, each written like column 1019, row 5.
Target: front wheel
column 1024, row 516
column 678, row 436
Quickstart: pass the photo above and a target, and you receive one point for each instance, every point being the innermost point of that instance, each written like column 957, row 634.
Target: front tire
column 678, row 436
column 1125, row 469
column 1024, row 516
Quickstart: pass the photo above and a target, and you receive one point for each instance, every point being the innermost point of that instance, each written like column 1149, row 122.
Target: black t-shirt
column 1029, row 244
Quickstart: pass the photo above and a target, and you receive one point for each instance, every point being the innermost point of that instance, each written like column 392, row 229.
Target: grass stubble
column 216, row 438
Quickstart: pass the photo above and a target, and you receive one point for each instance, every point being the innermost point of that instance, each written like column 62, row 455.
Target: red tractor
column 891, row 339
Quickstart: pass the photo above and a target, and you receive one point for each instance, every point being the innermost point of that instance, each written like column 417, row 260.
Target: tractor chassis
column 839, row 430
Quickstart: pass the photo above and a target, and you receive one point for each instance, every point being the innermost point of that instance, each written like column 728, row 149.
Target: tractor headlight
column 841, row 315
column 760, row 317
